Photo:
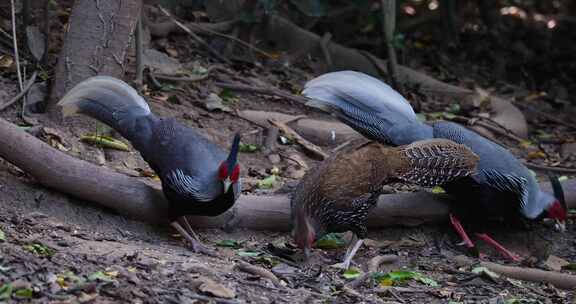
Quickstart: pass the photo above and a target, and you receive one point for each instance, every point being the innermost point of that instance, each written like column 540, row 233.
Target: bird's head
column 557, row 210
column 304, row 231
column 229, row 170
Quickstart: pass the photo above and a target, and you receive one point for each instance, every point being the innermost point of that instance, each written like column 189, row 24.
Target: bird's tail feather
column 368, row 105
column 435, row 161
column 112, row 102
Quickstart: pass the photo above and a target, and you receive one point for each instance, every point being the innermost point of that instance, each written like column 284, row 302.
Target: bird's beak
column 559, row 226
column 227, row 183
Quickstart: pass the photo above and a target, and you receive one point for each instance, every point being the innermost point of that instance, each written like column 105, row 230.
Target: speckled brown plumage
column 338, row 194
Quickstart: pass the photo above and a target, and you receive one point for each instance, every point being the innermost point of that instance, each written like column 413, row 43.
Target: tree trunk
column 96, row 43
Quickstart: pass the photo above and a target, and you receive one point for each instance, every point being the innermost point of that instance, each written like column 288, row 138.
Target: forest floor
column 56, row 249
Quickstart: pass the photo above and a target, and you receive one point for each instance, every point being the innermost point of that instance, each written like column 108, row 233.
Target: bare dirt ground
column 56, row 249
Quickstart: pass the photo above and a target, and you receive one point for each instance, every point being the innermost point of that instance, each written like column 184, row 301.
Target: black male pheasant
column 502, row 186
column 338, row 195
column 198, row 177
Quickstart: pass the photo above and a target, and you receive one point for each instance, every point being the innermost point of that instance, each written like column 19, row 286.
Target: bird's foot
column 198, row 247
column 505, row 252
column 191, row 237
column 355, row 244
column 460, row 230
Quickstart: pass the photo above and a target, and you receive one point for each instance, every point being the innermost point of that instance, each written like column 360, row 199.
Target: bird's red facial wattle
column 224, row 173
column 304, row 235
column 558, row 214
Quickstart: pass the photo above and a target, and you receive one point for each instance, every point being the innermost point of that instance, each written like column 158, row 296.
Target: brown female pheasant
column 338, row 195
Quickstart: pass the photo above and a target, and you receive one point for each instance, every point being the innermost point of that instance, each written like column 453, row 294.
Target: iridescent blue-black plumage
column 502, row 183
column 198, row 177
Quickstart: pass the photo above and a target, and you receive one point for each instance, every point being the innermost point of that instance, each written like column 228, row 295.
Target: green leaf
column 448, row 115
column 40, row 249
column 351, row 273
column 428, row 281
column 485, row 271
column 101, row 276
column 454, row 108
column 24, row 293
column 267, row 182
column 104, row 142
column 66, row 279
column 562, row 178
column 248, row 148
column 5, row 291
column 438, row 190
column 2, row 236
column 229, row 244
column 330, row 241
column 395, row 277
column 250, row 254
column 267, row 260
column 226, row 94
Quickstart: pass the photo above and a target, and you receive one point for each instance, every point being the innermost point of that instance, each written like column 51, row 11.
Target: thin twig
column 240, row 41
column 183, row 79
column 15, row 42
column 194, row 36
column 324, row 46
column 549, row 168
column 378, row 64
column 546, row 115
column 22, row 93
column 499, row 130
column 308, row 146
column 46, row 20
column 259, row 271
column 373, row 265
column 388, row 28
column 259, row 90
column 139, row 52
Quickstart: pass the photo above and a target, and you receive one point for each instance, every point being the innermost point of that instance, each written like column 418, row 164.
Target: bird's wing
column 187, row 186
column 507, row 182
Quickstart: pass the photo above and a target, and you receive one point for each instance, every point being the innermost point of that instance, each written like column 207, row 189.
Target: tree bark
column 96, row 43
column 128, row 195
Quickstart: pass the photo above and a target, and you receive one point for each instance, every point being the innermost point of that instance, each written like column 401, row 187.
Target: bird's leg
column 353, row 247
column 197, row 246
column 507, row 253
column 188, row 227
column 460, row 230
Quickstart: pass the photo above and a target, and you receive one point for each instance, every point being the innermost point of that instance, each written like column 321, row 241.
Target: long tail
column 368, row 105
column 114, row 103
column 435, row 161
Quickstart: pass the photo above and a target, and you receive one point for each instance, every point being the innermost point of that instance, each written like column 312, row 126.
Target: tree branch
column 132, row 197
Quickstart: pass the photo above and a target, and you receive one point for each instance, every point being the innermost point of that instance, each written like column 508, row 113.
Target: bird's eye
column 235, row 174
column 223, row 171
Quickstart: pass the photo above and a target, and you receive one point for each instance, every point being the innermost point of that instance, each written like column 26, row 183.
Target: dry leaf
column 54, row 139
column 213, row 288
column 6, row 61
column 535, row 155
column 556, row 263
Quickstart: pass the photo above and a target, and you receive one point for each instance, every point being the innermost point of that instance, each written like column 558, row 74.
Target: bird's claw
column 198, row 247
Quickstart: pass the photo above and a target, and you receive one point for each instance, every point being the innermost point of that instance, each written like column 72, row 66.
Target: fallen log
column 129, row 196
column 320, row 132
column 558, row 279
